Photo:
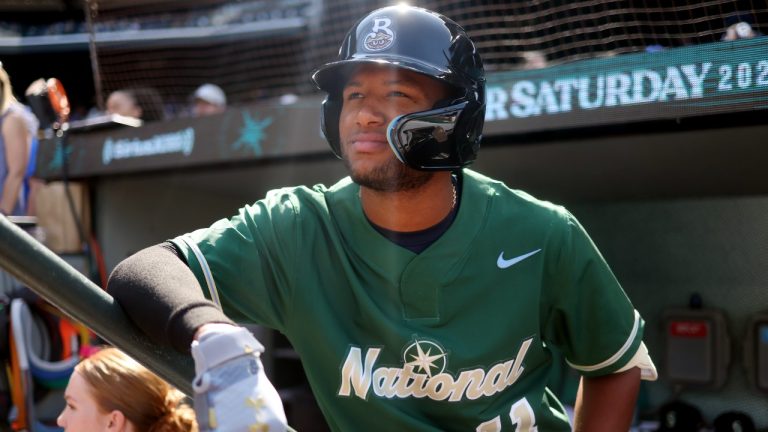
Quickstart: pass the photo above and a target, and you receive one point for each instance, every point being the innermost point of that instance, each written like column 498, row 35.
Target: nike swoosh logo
column 502, row 263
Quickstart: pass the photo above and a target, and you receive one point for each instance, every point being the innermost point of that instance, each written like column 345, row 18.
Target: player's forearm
column 162, row 296
column 607, row 403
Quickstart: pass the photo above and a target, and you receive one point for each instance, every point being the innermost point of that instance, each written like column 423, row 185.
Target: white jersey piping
column 206, row 270
column 614, row 358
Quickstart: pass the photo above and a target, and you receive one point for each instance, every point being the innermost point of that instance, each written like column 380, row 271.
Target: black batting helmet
column 445, row 137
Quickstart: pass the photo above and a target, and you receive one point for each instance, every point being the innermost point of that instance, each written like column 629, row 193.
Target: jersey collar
column 419, row 277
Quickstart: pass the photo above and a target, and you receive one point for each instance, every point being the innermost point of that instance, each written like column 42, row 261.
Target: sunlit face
column 204, row 108
column 81, row 412
column 122, row 103
column 373, row 96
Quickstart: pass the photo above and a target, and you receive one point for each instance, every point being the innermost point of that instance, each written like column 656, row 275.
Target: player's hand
column 232, row 393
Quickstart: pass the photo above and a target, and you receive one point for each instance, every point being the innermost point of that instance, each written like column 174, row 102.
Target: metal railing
column 57, row 282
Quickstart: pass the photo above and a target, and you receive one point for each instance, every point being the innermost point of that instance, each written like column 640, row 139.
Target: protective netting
column 267, row 48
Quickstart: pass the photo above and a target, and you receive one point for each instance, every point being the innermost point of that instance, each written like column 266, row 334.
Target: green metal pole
column 63, row 286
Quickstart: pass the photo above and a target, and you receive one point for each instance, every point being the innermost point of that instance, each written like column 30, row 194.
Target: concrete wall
column 134, row 212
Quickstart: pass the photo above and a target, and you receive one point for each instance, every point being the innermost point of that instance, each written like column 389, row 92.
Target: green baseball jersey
column 457, row 337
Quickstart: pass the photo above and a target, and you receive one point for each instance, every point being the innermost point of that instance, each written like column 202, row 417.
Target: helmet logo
column 381, row 36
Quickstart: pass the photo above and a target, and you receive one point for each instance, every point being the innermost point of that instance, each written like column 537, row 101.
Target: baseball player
column 420, row 295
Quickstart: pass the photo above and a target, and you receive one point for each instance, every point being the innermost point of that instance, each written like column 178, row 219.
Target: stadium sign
column 237, row 135
column 181, row 142
column 692, row 81
column 688, row 81
column 563, row 95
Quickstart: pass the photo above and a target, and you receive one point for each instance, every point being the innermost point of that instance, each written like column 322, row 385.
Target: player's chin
column 392, row 176
column 363, row 174
column 365, row 163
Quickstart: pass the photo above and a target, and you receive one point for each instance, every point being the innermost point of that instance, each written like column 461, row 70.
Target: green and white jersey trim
column 616, row 356
column 210, row 283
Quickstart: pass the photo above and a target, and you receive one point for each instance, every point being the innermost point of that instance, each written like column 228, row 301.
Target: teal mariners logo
column 424, row 373
column 59, row 154
column 251, row 134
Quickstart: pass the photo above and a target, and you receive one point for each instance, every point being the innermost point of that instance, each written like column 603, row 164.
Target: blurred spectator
column 208, row 99
column 534, row 60
column 32, row 125
column 79, row 112
column 144, row 103
column 740, row 30
column 31, row 184
column 654, row 48
column 288, row 99
column 111, row 391
column 14, row 150
column 739, row 26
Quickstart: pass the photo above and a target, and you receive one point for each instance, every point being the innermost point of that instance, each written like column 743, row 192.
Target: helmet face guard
column 445, row 137
column 432, row 140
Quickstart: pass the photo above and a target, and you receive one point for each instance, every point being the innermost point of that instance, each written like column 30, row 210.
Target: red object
column 58, row 98
column 689, row 329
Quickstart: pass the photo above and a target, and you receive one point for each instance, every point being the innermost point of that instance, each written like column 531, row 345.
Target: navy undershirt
column 417, row 241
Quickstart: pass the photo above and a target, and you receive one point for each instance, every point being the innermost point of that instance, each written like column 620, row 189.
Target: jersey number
column 521, row 415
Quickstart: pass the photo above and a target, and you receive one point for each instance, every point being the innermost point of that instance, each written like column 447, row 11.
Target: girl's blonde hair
column 6, row 92
column 119, row 382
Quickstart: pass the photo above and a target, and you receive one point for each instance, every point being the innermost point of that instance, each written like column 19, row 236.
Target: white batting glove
column 232, row 393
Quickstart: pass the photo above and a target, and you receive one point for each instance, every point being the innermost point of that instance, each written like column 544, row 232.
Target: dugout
column 661, row 155
column 664, row 166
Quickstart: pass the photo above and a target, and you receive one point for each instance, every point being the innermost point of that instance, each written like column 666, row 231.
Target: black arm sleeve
column 161, row 295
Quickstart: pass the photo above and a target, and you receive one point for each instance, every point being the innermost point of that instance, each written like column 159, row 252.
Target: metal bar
column 91, row 9
column 53, row 279
column 60, row 284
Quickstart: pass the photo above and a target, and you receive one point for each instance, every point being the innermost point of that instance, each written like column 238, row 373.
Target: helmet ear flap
column 427, row 140
column 329, row 123
column 469, row 131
